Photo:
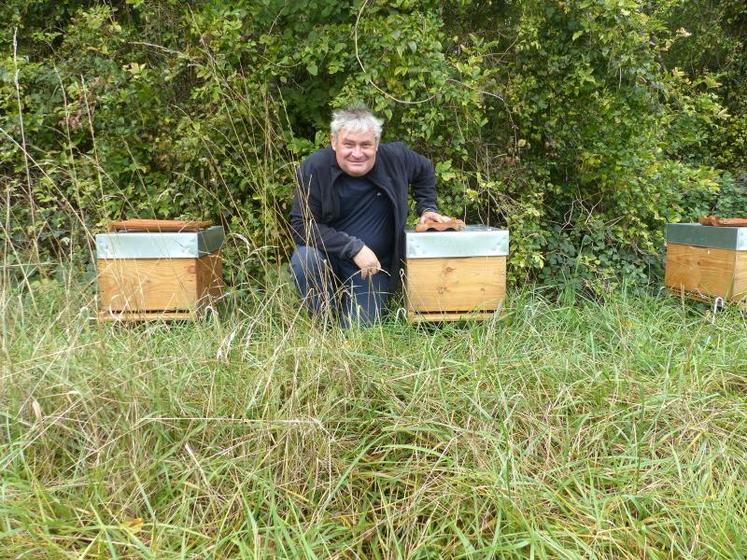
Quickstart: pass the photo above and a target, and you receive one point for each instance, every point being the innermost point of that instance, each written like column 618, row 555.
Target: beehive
column 452, row 275
column 706, row 262
column 146, row 275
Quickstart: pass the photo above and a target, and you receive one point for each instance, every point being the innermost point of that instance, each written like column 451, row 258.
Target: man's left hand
column 430, row 216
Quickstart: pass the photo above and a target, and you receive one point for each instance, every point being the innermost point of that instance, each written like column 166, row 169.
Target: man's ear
column 332, row 139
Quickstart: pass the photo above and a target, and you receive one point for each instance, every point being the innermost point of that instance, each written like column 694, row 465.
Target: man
column 349, row 214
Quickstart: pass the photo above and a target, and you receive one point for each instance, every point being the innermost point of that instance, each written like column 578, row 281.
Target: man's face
column 355, row 151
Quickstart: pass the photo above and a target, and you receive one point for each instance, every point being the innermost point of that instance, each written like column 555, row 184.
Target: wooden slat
column 415, row 317
column 455, row 284
column 137, row 224
column 122, row 316
column 722, row 222
column 700, row 270
column 209, row 280
column 740, row 277
column 454, row 224
column 699, row 296
column 147, row 284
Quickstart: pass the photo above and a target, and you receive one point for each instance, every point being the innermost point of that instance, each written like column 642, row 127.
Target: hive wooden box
column 158, row 275
column 706, row 262
column 453, row 275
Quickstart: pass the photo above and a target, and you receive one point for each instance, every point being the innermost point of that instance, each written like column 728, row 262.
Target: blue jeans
column 330, row 285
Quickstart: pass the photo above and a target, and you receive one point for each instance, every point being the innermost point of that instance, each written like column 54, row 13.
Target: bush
column 584, row 127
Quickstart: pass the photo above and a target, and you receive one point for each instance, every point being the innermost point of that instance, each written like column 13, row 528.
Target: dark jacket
column 317, row 203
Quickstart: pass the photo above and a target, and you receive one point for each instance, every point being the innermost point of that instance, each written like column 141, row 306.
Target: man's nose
column 356, row 151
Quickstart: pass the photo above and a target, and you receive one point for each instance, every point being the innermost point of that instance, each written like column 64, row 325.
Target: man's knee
column 311, row 271
column 307, row 263
column 367, row 301
column 363, row 316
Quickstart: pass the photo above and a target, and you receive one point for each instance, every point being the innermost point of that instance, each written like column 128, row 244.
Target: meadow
column 563, row 428
column 569, row 426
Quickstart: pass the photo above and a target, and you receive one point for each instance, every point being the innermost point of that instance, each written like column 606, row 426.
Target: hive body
column 160, row 275
column 706, row 262
column 456, row 275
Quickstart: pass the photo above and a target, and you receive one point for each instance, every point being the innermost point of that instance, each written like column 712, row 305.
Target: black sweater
column 316, row 202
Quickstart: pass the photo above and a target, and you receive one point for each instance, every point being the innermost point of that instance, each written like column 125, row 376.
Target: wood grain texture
column 143, row 285
column 722, row 222
column 125, row 316
column 420, row 317
column 452, row 225
column 209, row 280
column 700, row 270
column 455, row 284
column 137, row 224
column 740, row 277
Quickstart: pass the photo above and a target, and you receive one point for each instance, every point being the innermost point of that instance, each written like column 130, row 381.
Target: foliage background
column 582, row 126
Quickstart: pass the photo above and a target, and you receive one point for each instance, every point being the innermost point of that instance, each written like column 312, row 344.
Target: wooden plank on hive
column 137, row 224
column 209, row 279
column 117, row 316
column 722, row 222
column 700, row 270
column 147, row 284
column 418, row 317
column 740, row 277
column 454, row 224
column 456, row 284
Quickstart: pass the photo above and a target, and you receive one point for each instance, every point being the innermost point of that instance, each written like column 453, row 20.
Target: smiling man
column 349, row 214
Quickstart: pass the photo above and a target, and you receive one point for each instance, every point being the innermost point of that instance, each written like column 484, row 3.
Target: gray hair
column 355, row 119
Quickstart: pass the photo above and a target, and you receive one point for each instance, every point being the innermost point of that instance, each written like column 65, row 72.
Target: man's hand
column 430, row 216
column 367, row 261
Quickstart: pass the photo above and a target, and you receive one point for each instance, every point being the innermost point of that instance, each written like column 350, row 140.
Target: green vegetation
column 582, row 126
column 608, row 427
column 563, row 429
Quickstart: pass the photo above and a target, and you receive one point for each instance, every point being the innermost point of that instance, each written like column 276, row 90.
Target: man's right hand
column 367, row 261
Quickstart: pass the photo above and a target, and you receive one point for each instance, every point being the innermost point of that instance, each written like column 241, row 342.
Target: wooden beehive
column 706, row 262
column 163, row 274
column 453, row 275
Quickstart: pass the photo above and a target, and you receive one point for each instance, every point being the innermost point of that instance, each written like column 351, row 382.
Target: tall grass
column 558, row 430
column 561, row 429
